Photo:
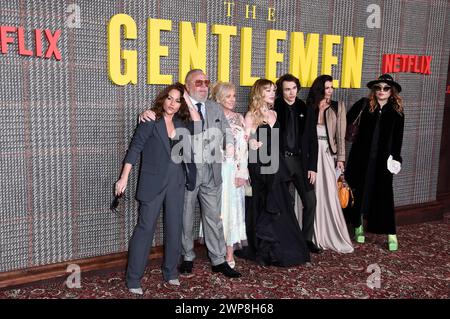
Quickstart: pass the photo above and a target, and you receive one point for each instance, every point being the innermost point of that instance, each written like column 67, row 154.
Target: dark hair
column 183, row 113
column 286, row 78
column 317, row 90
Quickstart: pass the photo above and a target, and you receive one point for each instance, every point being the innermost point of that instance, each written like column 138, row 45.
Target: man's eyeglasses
column 199, row 83
column 378, row 88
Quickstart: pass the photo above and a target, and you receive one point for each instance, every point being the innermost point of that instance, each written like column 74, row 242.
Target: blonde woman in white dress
column 234, row 174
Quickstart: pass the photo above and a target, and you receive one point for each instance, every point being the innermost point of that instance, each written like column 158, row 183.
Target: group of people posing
column 194, row 145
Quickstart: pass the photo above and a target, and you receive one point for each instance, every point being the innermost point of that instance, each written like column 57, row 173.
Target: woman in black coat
column 375, row 157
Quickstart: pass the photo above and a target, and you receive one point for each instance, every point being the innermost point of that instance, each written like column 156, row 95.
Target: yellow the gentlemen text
column 303, row 55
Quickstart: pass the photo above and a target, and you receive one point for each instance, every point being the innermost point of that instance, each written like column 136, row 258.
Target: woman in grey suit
column 161, row 180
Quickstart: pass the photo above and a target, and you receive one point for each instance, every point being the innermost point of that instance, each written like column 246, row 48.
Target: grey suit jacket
column 215, row 119
column 151, row 139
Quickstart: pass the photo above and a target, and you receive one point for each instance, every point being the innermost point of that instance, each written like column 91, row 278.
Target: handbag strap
column 358, row 118
column 351, row 196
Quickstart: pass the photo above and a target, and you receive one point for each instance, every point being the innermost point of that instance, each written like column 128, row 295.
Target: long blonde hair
column 257, row 100
column 395, row 99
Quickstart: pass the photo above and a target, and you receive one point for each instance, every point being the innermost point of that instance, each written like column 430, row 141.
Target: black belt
column 290, row 154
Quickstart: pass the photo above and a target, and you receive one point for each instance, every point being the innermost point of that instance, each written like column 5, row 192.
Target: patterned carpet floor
column 419, row 269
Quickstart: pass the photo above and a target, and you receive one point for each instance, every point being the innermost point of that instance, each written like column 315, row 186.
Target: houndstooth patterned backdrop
column 65, row 126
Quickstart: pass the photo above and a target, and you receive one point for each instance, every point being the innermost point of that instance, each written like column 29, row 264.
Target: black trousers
column 308, row 196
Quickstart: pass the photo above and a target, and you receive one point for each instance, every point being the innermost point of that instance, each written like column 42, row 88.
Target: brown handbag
column 345, row 193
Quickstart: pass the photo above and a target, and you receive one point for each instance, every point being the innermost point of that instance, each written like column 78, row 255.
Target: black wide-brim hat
column 386, row 78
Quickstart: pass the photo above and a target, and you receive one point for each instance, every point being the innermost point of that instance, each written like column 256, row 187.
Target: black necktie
column 199, row 108
column 290, row 138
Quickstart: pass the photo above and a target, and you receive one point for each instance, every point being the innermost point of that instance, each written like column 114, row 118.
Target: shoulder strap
column 358, row 118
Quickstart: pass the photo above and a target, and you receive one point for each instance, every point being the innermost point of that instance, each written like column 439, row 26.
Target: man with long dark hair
column 298, row 146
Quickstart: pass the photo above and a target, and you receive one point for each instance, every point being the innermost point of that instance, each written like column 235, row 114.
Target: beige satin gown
column 330, row 229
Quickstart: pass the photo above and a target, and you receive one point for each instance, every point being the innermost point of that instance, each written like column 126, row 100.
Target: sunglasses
column 199, row 83
column 381, row 88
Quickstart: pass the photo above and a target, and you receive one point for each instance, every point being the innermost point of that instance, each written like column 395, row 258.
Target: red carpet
column 419, row 269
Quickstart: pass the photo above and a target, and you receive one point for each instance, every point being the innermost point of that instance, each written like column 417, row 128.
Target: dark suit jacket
column 306, row 129
column 151, row 139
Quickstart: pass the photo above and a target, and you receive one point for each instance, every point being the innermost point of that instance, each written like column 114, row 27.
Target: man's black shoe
column 313, row 248
column 225, row 269
column 186, row 267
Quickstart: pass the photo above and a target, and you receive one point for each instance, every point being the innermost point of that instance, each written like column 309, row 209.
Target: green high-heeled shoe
column 392, row 242
column 359, row 234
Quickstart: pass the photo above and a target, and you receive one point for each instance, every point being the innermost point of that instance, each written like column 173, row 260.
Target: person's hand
column 324, row 103
column 188, row 100
column 254, row 144
column 340, row 166
column 393, row 166
column 312, row 177
column 147, row 115
column 121, row 184
column 195, row 115
column 239, row 182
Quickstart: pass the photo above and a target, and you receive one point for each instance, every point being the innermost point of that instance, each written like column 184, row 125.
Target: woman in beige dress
column 330, row 229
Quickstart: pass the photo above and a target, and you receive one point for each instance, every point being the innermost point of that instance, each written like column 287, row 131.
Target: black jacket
column 307, row 131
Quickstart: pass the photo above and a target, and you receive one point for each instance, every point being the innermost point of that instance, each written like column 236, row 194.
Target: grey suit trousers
column 209, row 196
column 140, row 244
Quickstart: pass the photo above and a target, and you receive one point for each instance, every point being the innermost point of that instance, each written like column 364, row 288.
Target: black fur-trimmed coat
column 380, row 214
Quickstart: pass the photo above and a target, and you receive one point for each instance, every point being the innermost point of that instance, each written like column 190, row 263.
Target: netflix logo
column 394, row 63
column 9, row 35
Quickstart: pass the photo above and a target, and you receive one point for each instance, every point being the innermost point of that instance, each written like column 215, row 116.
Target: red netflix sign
column 394, row 63
column 6, row 37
